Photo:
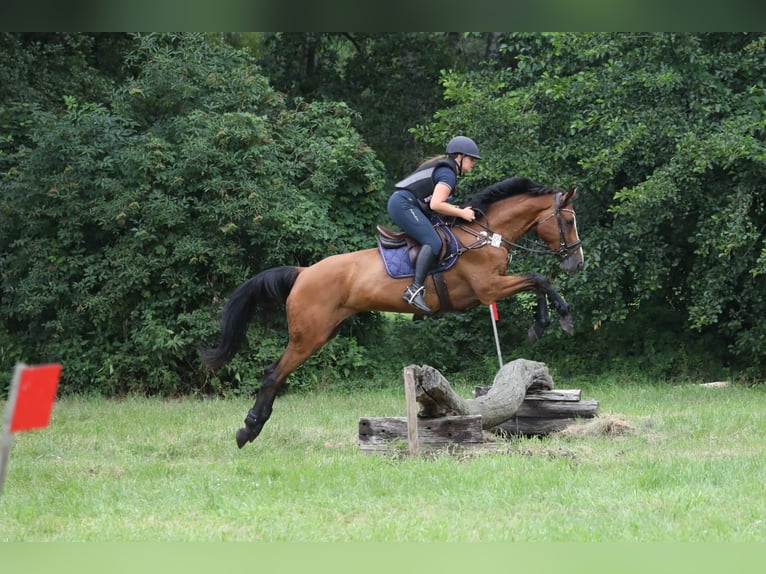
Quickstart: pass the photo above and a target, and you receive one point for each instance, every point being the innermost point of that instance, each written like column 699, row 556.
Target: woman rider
column 428, row 190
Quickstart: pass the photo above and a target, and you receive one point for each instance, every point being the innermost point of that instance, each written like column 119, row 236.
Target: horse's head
column 558, row 228
column 531, row 205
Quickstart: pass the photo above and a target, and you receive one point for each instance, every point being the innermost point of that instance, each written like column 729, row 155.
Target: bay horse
column 318, row 298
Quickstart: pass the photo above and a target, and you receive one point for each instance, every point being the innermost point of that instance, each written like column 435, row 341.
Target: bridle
column 489, row 237
column 565, row 249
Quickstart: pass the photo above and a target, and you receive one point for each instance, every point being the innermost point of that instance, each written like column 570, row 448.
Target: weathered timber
column 562, row 403
column 500, row 403
column 532, row 426
column 545, row 412
column 521, row 401
column 535, row 395
column 375, row 434
column 413, row 441
column 558, row 409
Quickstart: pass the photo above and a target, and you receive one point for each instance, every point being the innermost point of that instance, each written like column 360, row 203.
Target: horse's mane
column 481, row 200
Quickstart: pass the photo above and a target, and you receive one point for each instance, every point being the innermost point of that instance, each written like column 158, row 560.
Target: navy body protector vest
column 421, row 181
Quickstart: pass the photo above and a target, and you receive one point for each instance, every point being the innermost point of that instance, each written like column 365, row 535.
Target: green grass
column 143, row 469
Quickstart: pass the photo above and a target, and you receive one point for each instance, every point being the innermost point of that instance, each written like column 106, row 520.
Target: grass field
column 142, row 469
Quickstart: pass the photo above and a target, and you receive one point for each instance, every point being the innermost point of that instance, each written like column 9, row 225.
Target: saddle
column 399, row 252
column 390, row 239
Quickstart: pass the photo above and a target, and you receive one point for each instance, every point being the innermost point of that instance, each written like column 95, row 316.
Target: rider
column 425, row 191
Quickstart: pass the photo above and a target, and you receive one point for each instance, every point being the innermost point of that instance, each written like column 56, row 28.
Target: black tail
column 267, row 288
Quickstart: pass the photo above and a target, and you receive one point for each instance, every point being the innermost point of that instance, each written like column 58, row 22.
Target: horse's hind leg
column 306, row 336
column 261, row 411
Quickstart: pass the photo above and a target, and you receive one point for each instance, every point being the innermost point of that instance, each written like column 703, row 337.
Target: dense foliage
column 391, row 79
column 665, row 135
column 144, row 177
column 125, row 225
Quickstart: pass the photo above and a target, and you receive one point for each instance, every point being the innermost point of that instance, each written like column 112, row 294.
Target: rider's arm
column 439, row 203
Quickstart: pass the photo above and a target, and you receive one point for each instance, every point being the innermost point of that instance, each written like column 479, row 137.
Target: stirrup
column 415, row 298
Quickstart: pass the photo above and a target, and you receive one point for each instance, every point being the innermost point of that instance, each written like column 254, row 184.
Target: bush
column 125, row 226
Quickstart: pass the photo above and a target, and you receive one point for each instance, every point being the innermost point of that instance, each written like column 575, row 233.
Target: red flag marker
column 33, row 391
column 495, row 315
column 36, row 393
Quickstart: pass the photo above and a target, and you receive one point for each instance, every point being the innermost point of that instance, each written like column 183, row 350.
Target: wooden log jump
column 520, row 402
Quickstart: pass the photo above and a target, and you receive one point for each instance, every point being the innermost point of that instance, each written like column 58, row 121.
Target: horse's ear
column 570, row 195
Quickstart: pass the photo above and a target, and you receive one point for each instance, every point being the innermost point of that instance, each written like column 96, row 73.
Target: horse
column 319, row 297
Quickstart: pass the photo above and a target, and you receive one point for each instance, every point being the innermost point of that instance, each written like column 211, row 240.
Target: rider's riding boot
column 414, row 293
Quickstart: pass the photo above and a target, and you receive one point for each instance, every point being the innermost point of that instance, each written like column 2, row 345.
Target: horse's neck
column 514, row 217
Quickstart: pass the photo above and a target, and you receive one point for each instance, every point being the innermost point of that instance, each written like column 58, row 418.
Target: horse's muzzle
column 572, row 265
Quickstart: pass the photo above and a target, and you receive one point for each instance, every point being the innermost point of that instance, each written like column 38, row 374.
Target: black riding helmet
column 464, row 145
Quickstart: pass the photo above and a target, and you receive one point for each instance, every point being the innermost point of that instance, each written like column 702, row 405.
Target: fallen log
column 511, row 384
column 521, row 400
column 553, row 404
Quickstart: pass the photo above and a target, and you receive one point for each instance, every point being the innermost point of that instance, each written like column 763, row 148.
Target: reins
column 489, row 237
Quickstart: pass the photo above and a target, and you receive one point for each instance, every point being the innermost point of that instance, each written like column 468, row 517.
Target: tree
column 391, row 79
column 665, row 135
column 125, row 224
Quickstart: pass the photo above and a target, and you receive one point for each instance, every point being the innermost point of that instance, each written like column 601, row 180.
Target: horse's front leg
column 542, row 319
column 562, row 308
column 510, row 285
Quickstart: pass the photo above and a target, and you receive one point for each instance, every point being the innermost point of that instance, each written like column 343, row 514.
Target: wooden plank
column 459, row 429
column 558, row 409
column 412, row 413
column 399, row 448
column 553, row 395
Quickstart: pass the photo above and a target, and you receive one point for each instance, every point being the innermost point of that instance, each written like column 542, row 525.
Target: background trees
column 665, row 134
column 126, row 224
column 144, row 177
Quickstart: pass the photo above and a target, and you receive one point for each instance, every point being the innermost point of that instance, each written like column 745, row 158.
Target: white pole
column 7, row 438
column 497, row 339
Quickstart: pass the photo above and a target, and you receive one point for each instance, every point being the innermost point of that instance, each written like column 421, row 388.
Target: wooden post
column 7, row 437
column 412, row 413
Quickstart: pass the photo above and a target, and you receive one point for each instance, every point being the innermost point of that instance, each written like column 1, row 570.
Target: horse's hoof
column 244, row 436
column 567, row 324
column 534, row 333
